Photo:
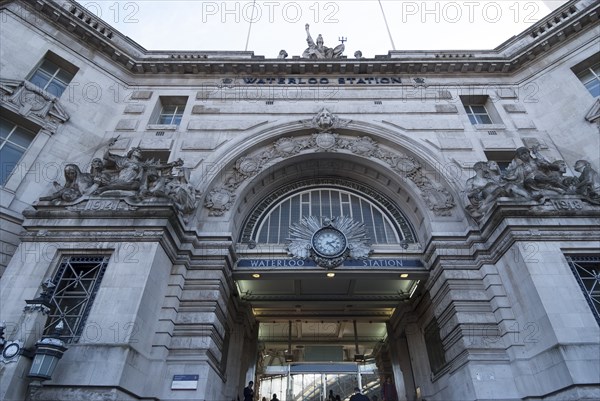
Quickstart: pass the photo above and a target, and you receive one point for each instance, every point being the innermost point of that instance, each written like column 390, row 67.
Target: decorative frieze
column 437, row 198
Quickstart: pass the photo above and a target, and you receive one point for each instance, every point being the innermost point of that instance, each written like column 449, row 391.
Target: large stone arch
column 388, row 160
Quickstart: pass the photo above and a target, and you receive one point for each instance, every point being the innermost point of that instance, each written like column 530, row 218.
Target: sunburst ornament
column 329, row 242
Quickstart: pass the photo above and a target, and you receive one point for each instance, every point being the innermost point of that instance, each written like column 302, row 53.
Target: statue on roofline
column 318, row 50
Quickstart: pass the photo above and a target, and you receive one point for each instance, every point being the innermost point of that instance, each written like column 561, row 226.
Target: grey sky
column 414, row 25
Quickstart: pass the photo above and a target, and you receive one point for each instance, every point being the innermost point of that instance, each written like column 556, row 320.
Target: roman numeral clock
column 328, row 242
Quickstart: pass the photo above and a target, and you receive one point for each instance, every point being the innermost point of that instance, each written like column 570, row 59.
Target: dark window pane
column 295, row 209
column 22, row 137
column 40, row 79
column 5, row 127
column 56, row 88
column 9, row 157
column 335, row 203
column 484, row 119
column 594, row 87
column 315, row 201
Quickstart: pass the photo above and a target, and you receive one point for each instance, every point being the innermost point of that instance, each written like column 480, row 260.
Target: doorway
column 314, row 381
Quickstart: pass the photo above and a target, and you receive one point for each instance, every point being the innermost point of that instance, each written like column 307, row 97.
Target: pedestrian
column 388, row 390
column 249, row 392
column 358, row 396
column 274, row 398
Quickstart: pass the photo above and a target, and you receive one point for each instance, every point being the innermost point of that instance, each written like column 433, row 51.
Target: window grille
column 325, row 202
column 77, row 281
column 587, row 272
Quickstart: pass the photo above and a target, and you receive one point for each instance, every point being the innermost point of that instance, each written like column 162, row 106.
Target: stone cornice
column 513, row 221
column 86, row 229
column 507, row 58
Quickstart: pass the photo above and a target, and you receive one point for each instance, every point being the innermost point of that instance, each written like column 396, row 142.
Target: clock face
column 329, row 242
column 11, row 350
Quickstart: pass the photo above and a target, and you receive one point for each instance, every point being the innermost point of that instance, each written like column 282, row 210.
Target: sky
column 196, row 25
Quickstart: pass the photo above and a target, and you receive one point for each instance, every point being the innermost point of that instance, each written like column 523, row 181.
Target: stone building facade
column 228, row 185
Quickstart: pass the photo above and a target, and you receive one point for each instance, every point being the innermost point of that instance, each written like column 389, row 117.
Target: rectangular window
column 480, row 110
column 76, row 284
column 590, row 78
column 587, row 272
column 14, row 141
column 170, row 110
column 478, row 114
column 170, row 114
column 435, row 348
column 53, row 74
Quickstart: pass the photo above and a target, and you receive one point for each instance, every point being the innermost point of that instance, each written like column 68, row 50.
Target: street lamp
column 48, row 352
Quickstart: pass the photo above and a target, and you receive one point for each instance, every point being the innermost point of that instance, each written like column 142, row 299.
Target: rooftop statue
column 318, row 50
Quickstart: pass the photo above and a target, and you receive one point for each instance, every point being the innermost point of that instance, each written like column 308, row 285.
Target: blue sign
column 184, row 382
column 348, row 263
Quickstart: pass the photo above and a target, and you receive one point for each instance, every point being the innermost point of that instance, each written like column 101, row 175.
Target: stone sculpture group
column 131, row 177
column 530, row 176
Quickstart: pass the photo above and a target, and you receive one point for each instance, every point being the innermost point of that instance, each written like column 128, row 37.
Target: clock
column 11, row 350
column 329, row 242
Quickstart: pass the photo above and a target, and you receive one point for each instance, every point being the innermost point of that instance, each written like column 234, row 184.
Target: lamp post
column 48, row 351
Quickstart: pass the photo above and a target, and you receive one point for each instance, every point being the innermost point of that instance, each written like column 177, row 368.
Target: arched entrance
column 315, row 318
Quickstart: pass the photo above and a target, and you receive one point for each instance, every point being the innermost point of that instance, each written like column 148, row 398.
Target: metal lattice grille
column 587, row 272
column 77, row 281
column 326, row 202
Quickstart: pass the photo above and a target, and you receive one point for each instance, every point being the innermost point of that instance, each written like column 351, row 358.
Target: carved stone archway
column 334, row 139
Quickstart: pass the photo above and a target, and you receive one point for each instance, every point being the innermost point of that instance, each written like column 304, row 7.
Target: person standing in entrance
column 249, row 392
column 388, row 390
column 358, row 396
column 274, row 398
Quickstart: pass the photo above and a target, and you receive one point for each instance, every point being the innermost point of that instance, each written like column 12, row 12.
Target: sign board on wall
column 184, row 382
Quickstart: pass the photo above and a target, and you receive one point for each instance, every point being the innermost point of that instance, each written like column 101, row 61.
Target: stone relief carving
column 29, row 100
column 435, row 196
column 530, row 176
column 219, row 200
column 325, row 121
column 127, row 177
column 318, row 50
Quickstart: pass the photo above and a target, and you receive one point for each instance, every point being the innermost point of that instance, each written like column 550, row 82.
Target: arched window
column 271, row 221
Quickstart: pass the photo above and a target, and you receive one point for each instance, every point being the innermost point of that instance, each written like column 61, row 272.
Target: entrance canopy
column 311, row 313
